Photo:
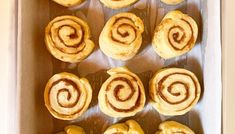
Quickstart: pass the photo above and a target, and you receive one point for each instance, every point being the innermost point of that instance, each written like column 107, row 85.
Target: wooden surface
column 228, row 49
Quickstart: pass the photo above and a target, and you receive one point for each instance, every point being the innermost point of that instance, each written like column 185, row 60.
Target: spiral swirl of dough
column 129, row 127
column 174, row 91
column 66, row 96
column 121, row 37
column 117, row 4
column 175, row 35
column 122, row 94
column 68, row 39
column 172, row 127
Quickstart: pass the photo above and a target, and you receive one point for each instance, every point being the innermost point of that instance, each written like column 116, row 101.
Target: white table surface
column 6, row 10
column 6, row 72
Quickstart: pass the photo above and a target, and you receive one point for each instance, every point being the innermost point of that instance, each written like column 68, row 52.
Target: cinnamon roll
column 66, row 96
column 122, row 94
column 121, row 37
column 116, row 4
column 69, row 3
column 72, row 129
column 174, row 91
column 172, row 2
column 175, row 35
column 68, row 39
column 172, row 127
column 129, row 127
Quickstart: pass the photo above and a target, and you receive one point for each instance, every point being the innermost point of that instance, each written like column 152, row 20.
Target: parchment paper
column 145, row 63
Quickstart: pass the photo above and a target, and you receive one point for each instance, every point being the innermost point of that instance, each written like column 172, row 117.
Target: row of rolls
column 68, row 38
column 173, row 91
column 132, row 127
column 114, row 4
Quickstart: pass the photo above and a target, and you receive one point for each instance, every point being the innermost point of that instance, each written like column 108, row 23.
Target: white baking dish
column 35, row 66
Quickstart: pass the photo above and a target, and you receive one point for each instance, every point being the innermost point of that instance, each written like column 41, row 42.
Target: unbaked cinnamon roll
column 172, row 127
column 129, row 127
column 72, row 129
column 174, row 91
column 69, row 3
column 121, row 37
column 172, row 2
column 68, row 39
column 116, row 4
column 122, row 94
column 175, row 35
column 66, row 96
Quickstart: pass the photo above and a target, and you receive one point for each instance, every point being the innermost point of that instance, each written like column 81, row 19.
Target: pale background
column 7, row 74
column 228, row 47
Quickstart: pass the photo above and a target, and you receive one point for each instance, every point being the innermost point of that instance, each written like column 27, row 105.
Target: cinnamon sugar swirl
column 66, row 96
column 121, row 37
column 122, row 94
column 68, row 39
column 174, row 91
column 175, row 35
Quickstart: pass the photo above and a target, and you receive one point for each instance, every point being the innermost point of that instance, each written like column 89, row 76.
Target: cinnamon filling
column 176, row 35
column 72, row 36
column 67, row 83
column 123, row 34
column 169, row 89
column 118, row 88
column 137, row 104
